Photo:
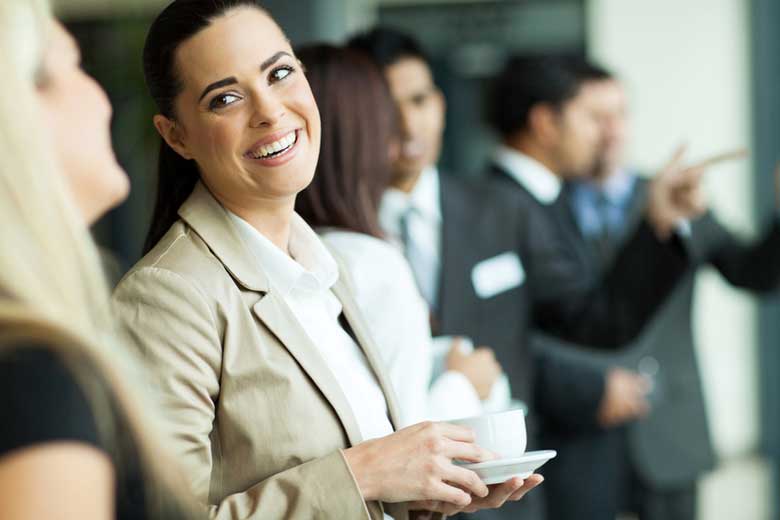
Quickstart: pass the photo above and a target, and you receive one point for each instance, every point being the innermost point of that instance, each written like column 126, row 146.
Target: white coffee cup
column 503, row 433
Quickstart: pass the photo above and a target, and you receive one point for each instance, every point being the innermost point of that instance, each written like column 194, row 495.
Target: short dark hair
column 387, row 46
column 359, row 125
column 527, row 81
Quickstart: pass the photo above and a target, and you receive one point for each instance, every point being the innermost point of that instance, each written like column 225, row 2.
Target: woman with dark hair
column 342, row 204
column 277, row 404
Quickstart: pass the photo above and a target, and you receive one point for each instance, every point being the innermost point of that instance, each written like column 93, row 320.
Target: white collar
column 535, row 177
column 424, row 198
column 313, row 267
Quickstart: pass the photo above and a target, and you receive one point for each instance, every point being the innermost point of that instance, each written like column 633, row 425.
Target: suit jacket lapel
column 588, row 249
column 458, row 253
column 636, row 208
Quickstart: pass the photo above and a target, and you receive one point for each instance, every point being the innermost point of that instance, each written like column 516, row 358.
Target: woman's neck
column 271, row 217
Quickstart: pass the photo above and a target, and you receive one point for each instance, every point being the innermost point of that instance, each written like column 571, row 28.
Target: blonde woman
column 73, row 444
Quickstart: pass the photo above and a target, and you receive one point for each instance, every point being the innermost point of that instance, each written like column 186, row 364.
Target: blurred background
column 698, row 71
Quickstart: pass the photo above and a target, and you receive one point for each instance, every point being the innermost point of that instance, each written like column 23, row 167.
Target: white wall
column 686, row 64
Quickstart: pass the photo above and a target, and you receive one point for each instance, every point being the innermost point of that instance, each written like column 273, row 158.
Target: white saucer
column 501, row 470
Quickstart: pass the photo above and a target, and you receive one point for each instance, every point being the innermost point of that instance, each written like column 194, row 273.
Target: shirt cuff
column 452, row 396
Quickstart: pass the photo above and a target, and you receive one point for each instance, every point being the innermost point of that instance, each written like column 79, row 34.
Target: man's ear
column 173, row 134
column 543, row 123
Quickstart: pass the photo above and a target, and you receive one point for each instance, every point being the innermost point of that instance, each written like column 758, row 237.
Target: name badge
column 498, row 274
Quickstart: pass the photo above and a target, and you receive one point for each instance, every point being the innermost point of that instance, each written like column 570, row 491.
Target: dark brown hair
column 177, row 23
column 359, row 128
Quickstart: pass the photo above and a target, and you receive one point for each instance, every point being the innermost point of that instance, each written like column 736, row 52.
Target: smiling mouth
column 275, row 149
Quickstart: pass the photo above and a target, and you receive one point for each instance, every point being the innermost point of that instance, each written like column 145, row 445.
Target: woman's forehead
column 235, row 42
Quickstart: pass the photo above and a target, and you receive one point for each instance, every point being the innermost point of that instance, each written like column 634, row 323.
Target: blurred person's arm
column 57, row 480
column 52, row 463
column 609, row 311
column 602, row 312
column 753, row 265
column 568, row 393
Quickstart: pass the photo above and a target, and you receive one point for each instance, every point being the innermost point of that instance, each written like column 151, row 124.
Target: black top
column 43, row 402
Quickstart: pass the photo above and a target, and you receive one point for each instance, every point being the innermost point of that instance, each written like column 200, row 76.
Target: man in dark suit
column 649, row 467
column 487, row 273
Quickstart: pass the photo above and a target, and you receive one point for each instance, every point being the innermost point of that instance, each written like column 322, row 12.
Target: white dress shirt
column 425, row 232
column 397, row 317
column 422, row 210
column 304, row 282
column 535, row 177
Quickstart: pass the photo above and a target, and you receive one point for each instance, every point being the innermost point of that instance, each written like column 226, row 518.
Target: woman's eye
column 222, row 101
column 280, row 73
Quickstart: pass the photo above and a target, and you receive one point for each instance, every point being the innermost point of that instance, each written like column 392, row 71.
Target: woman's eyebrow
column 218, row 84
column 273, row 59
column 232, row 79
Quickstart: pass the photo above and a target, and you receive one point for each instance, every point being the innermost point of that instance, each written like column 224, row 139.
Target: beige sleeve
column 171, row 322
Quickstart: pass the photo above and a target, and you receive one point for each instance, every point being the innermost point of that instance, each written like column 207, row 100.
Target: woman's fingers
column 454, row 432
column 530, row 483
column 499, row 494
column 451, row 495
column 467, row 451
column 512, row 490
column 467, row 480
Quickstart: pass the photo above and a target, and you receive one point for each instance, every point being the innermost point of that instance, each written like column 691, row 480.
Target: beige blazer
column 258, row 420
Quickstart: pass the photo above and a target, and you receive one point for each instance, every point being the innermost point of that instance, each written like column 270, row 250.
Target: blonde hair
column 52, row 288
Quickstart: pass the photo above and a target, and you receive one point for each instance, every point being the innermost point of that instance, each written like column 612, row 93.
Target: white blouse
column 397, row 316
column 305, row 285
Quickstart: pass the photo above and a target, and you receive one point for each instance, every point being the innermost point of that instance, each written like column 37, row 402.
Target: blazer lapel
column 210, row 221
column 274, row 313
column 366, row 343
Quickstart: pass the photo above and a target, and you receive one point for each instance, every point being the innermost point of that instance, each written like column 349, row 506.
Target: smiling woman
column 215, row 114
column 278, row 405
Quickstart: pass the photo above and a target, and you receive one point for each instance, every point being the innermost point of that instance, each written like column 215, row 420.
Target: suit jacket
column 479, row 224
column 572, row 303
column 672, row 447
column 257, row 418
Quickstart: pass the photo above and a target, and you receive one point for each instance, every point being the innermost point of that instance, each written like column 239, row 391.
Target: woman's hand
column 415, row 464
column 512, row 490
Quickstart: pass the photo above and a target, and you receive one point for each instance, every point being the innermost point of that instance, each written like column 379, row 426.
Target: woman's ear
column 173, row 134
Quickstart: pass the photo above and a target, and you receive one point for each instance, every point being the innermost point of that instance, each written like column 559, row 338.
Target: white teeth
column 282, row 144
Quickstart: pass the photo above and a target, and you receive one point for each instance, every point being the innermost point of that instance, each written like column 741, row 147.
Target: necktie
column 605, row 238
column 420, row 260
